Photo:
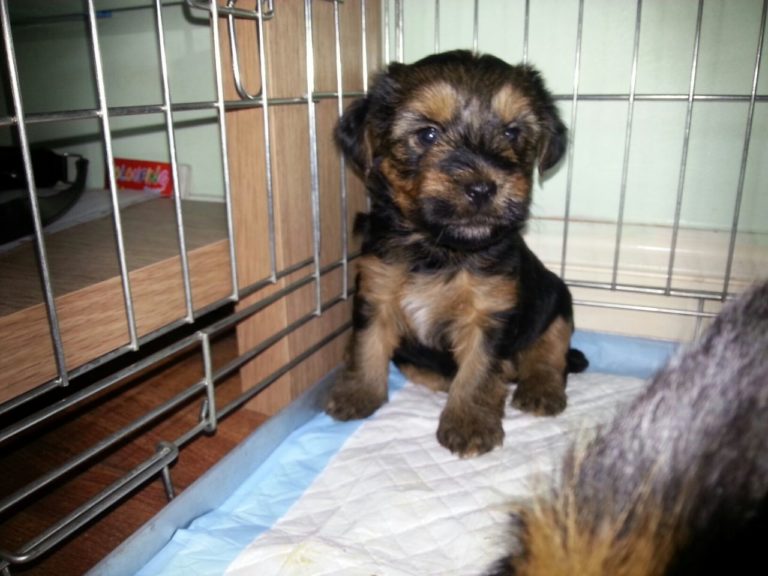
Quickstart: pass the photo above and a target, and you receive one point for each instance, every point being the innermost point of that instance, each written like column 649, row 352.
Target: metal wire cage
column 269, row 262
column 257, row 86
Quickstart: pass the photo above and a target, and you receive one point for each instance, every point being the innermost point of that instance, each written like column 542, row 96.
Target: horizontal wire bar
column 147, row 338
column 95, row 506
column 199, row 428
column 99, row 448
column 145, row 109
column 90, row 391
column 638, row 308
column 250, row 393
column 246, row 357
column 662, row 97
column 37, row 20
column 224, row 11
column 639, row 289
column 117, row 111
column 256, row 307
column 178, row 346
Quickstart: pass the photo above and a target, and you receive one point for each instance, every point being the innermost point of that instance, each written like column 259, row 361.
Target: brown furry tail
column 677, row 484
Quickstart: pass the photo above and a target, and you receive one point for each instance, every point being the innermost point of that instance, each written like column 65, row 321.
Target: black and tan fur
column 677, row 484
column 446, row 285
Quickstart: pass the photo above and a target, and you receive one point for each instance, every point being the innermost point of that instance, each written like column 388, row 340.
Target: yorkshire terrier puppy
column 446, row 286
column 677, row 484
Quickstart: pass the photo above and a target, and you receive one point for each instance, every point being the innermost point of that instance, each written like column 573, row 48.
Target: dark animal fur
column 678, row 483
column 446, row 285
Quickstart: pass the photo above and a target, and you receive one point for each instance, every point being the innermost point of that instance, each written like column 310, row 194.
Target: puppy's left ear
column 554, row 134
column 554, row 140
column 351, row 137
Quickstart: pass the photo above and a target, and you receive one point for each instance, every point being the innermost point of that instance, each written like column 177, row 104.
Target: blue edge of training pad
column 210, row 523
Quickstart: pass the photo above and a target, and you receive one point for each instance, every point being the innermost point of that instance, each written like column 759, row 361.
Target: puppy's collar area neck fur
column 465, row 245
column 390, row 236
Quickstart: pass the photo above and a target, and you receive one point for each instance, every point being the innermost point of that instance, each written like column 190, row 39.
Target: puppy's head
column 456, row 137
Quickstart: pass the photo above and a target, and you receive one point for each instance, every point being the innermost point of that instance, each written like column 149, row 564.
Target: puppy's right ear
column 351, row 135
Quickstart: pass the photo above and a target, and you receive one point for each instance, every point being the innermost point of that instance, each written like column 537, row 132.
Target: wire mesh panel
column 233, row 104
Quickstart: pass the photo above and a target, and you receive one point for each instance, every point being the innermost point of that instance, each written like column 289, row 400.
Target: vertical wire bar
column 364, row 35
column 526, row 29
column 572, row 146
column 399, row 36
column 170, row 492
column 210, row 391
column 744, row 155
column 627, row 145
column 107, row 139
column 437, row 26
column 364, row 31
column 42, row 255
column 342, row 163
column 387, row 47
column 699, row 318
column 686, row 140
column 240, row 87
column 267, row 145
column 242, row 91
column 174, row 163
column 313, row 164
column 476, row 26
column 219, row 105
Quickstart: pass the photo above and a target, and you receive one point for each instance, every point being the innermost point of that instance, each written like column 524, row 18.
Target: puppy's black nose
column 480, row 192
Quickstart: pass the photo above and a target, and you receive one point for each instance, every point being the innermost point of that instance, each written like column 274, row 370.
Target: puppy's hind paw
column 539, row 400
column 350, row 402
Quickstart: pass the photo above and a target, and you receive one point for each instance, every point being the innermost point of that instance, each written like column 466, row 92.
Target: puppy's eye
column 428, row 136
column 512, row 133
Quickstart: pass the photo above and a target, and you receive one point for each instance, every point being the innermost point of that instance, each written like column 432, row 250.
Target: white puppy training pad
column 392, row 501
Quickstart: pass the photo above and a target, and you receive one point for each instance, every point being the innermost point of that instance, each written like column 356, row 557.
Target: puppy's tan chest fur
column 433, row 306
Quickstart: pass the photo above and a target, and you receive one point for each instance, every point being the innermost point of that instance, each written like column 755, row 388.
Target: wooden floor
column 31, row 457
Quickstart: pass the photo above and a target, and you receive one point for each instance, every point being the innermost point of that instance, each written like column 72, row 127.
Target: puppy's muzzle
column 480, row 192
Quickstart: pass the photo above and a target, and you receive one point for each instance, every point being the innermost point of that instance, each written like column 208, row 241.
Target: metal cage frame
column 200, row 338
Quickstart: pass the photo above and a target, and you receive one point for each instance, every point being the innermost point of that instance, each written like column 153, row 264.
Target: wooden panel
column 93, row 320
column 86, row 254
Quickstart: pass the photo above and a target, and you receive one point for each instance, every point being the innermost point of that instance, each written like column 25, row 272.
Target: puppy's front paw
column 539, row 400
column 351, row 401
column 469, row 432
